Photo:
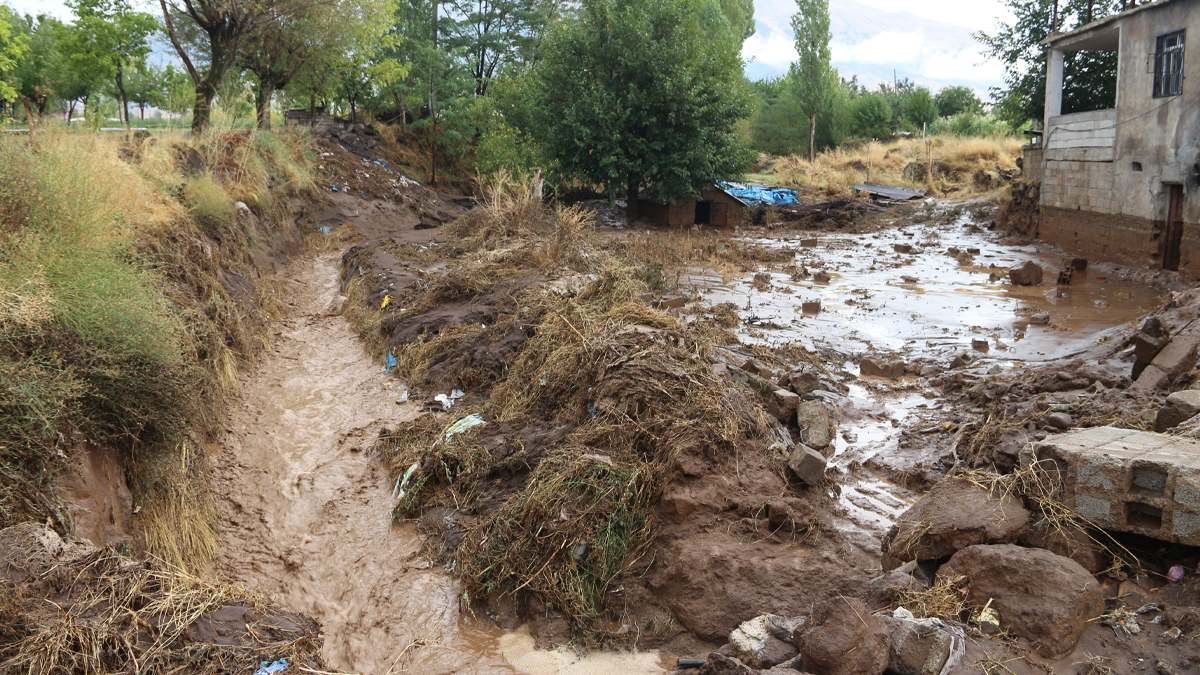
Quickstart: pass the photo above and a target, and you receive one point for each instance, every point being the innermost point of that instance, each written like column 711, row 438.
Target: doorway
column 703, row 213
column 1174, row 228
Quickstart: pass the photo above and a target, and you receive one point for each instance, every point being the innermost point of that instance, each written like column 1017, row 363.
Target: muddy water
column 305, row 509
column 919, row 305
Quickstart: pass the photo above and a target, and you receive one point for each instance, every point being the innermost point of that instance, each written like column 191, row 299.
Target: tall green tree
column 871, row 116
column 638, row 93
column 739, row 14
column 42, row 72
column 12, row 49
column 497, row 34
column 813, row 75
column 957, row 99
column 920, row 109
column 111, row 39
column 1089, row 77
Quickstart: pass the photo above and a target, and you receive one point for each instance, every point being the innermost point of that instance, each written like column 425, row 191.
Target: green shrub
column 210, row 205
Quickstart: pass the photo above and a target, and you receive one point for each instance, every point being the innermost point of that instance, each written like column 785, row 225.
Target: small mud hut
column 714, row 206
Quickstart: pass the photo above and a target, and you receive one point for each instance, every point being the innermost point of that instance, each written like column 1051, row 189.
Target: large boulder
column 1037, row 594
column 842, row 637
column 953, row 515
column 758, row 644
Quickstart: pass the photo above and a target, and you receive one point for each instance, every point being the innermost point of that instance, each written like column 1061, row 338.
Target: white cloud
column 771, row 48
column 887, row 47
column 953, row 66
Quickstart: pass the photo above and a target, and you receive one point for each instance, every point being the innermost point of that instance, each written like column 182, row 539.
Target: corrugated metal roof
column 890, row 192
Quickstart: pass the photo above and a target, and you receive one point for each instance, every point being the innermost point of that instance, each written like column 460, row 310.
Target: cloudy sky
column 928, row 41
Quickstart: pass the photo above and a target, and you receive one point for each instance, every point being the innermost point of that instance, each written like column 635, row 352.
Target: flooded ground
column 306, row 508
column 306, row 514
column 923, row 306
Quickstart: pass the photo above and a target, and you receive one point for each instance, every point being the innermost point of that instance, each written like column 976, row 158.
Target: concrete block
column 1177, row 409
column 1129, row 481
column 1151, row 379
column 1178, row 357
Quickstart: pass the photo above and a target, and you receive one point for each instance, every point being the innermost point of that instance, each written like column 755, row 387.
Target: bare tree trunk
column 631, row 198
column 124, row 98
column 29, row 118
column 812, row 139
column 266, row 91
column 206, row 91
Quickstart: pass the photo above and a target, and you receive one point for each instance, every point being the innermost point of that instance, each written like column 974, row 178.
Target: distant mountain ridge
column 875, row 45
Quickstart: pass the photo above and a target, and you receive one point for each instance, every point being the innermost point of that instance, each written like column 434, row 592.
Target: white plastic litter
column 403, row 397
column 464, row 424
column 398, row 491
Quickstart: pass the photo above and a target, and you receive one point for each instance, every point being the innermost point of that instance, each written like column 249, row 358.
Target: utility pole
column 1054, row 18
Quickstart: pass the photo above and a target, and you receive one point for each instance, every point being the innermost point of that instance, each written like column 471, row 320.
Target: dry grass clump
column 956, row 162
column 122, row 318
column 583, row 423
column 945, row 600
column 79, row 609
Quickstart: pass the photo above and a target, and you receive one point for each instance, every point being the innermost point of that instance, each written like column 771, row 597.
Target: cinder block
column 1129, row 481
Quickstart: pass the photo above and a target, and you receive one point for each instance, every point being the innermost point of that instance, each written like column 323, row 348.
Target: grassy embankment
column 962, row 166
column 115, row 328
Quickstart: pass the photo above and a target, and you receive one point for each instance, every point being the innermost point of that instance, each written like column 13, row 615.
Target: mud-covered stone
column 807, row 464
column 1177, row 409
column 782, row 405
column 723, row 664
column 873, row 366
column 842, row 638
column 816, row 425
column 802, row 382
column 953, row 515
column 962, row 360
column 1037, row 594
column 755, row 643
column 1026, row 274
column 1060, row 420
column 1068, row 541
column 1152, row 379
column 918, row 648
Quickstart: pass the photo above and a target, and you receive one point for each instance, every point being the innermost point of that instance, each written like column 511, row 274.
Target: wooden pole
column 29, row 118
column 929, row 164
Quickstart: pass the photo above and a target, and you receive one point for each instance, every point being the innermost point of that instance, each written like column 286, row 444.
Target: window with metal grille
column 1168, row 65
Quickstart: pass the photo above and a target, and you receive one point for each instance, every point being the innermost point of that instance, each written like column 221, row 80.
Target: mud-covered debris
column 955, row 514
column 802, row 381
column 1040, row 319
column 1148, row 342
column 902, row 248
column 756, row 643
column 923, row 646
column 962, row 360
column 842, row 637
column 1027, row 274
column 888, row 588
column 1037, row 594
column 821, row 277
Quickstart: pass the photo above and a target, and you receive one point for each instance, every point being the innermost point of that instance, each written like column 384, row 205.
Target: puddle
column 868, row 305
column 923, row 304
column 305, row 510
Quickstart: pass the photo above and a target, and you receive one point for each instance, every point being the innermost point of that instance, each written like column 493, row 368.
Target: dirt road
column 306, row 514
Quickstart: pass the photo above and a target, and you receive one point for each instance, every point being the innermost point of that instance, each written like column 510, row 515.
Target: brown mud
column 306, row 508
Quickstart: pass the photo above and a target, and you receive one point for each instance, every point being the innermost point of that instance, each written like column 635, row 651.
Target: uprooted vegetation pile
column 135, row 276
column 67, row 606
column 589, row 398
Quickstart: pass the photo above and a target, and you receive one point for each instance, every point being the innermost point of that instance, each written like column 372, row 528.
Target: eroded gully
column 305, row 508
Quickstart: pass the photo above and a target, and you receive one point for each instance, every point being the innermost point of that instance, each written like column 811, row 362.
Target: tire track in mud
column 305, row 507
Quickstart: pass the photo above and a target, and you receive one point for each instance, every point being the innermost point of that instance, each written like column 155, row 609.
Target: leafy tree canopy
column 954, row 100
column 640, row 93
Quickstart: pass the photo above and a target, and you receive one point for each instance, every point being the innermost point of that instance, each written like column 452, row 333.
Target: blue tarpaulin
column 759, row 196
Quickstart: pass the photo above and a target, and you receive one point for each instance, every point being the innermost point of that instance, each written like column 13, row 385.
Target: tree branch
column 178, row 47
